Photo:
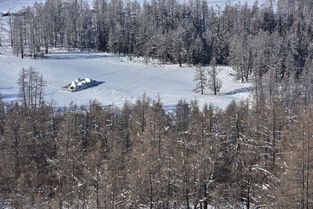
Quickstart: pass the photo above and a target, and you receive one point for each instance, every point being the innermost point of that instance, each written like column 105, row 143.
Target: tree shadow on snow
column 8, row 88
column 97, row 83
column 9, row 96
column 240, row 90
column 77, row 55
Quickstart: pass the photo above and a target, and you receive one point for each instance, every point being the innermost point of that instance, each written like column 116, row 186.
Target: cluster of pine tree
column 140, row 156
column 208, row 79
column 173, row 31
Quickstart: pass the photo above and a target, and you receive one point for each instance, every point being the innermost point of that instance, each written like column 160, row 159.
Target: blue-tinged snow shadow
column 78, row 55
column 9, row 96
column 97, row 83
column 7, row 88
column 240, row 90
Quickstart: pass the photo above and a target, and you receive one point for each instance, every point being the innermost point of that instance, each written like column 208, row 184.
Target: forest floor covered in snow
column 123, row 80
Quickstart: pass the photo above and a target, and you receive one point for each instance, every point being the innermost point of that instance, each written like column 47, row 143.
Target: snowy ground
column 123, row 80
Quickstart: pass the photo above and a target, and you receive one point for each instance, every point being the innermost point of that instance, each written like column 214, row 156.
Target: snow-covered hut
column 80, row 84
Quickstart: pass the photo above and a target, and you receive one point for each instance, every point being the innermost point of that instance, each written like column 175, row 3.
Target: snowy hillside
column 122, row 79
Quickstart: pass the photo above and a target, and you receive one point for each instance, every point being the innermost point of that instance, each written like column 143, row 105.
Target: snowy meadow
column 123, row 80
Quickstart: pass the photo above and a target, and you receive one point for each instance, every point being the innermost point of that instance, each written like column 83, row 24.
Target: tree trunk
column 248, row 197
column 151, row 191
column 205, row 202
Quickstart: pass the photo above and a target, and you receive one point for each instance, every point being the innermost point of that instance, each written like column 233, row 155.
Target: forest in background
column 252, row 39
column 253, row 154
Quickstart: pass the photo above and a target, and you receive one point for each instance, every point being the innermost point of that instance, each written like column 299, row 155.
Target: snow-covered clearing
column 123, row 80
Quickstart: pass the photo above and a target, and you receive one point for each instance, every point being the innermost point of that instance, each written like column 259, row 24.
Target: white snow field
column 123, row 80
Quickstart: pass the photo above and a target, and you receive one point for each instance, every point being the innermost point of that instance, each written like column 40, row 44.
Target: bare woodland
column 140, row 156
column 253, row 154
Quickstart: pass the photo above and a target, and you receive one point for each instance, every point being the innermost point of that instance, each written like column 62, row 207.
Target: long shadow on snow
column 8, row 88
column 93, row 85
column 77, row 55
column 241, row 90
column 9, row 96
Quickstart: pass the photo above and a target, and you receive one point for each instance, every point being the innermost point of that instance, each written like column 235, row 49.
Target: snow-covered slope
column 122, row 79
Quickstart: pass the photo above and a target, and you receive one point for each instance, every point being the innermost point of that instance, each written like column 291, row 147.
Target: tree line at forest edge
column 253, row 39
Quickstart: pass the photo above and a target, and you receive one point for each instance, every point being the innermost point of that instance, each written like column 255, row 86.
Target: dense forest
column 253, row 154
column 140, row 156
column 254, row 40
